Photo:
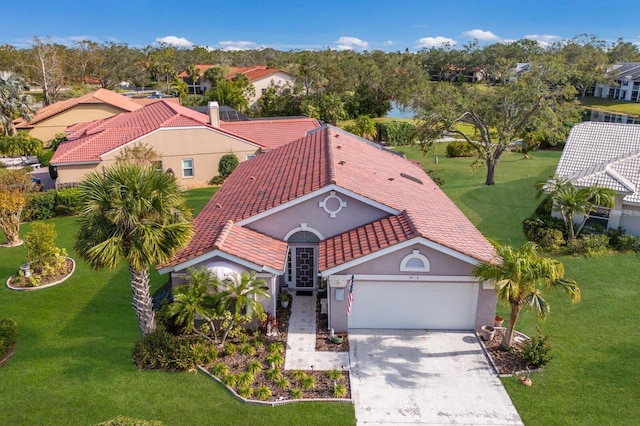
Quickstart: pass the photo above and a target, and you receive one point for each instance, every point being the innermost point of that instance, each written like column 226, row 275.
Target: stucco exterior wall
column 629, row 219
column 486, row 313
column 354, row 214
column 277, row 79
column 46, row 129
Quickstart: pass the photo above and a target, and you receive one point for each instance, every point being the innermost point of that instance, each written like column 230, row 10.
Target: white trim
column 192, row 168
column 400, row 246
column 316, row 251
column 303, row 227
column 309, row 196
column 415, row 254
column 223, row 255
column 412, row 278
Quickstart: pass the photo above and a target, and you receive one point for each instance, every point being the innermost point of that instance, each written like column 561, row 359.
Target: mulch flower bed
column 26, row 282
column 507, row 362
column 283, row 384
column 323, row 342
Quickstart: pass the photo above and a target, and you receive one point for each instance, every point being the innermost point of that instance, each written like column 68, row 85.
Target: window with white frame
column 415, row 262
column 187, row 168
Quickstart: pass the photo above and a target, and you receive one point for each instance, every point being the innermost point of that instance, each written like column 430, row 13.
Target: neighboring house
column 190, row 144
column 607, row 155
column 331, row 206
column 624, row 83
column 260, row 76
column 55, row 118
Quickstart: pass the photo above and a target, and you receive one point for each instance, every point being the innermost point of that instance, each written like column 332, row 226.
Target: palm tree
column 572, row 201
column 240, row 297
column 518, row 281
column 196, row 298
column 13, row 102
column 135, row 214
column 194, row 74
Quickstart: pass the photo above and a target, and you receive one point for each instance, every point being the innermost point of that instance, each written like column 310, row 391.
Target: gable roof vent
column 414, row 179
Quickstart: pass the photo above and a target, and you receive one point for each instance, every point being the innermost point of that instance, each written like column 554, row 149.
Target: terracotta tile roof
column 271, row 133
column 364, row 240
column 603, row 154
column 147, row 101
column 88, row 141
column 329, row 156
column 100, row 96
column 253, row 73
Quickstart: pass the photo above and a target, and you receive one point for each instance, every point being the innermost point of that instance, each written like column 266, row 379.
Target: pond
column 398, row 112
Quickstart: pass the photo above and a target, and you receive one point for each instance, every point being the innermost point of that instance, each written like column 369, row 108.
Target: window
column 264, row 91
column 415, row 262
column 187, row 168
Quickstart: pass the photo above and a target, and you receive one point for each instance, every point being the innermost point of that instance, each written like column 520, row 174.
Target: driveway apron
column 425, row 377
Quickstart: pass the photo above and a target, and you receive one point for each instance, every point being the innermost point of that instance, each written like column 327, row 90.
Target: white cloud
column 544, row 39
column 237, row 45
column 481, row 35
column 351, row 43
column 175, row 41
column 388, row 43
column 435, row 42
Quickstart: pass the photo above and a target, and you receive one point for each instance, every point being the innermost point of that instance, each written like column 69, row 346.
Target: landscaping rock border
column 66, row 277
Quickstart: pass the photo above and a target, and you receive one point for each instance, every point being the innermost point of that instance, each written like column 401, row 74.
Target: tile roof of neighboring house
column 100, row 96
column 253, row 73
column 147, row 101
column 88, row 141
column 271, row 133
column 329, row 156
column 603, row 154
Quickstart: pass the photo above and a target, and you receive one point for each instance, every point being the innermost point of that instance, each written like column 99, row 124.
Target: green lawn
column 73, row 360
column 612, row 105
column 593, row 378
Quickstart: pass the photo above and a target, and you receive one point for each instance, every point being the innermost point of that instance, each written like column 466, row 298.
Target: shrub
column 546, row 231
column 40, row 206
column 8, row 335
column 57, row 140
column 339, row 391
column 247, row 349
column 44, row 157
column 296, row 393
column 536, row 350
column 594, row 244
column 227, row 165
column 619, row 240
column 245, row 392
column 335, row 374
column 262, row 392
column 275, row 359
column 244, row 379
column 229, row 349
column 130, row 421
column 273, row 374
column 219, row 369
column 282, row 383
column 435, row 178
column 254, row 366
column 155, row 351
column 230, row 380
column 42, row 253
column 216, row 180
column 70, row 199
column 276, row 347
column 308, row 382
column 397, row 133
column 298, row 375
column 459, row 149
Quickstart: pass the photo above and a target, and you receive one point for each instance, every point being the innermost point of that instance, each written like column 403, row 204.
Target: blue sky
column 288, row 25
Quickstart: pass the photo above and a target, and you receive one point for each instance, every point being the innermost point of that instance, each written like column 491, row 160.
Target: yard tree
column 134, row 214
column 496, row 115
column 572, row 201
column 585, row 59
column 14, row 103
column 47, row 68
column 15, row 188
column 194, row 74
column 623, row 51
column 139, row 153
column 20, row 145
column 519, row 280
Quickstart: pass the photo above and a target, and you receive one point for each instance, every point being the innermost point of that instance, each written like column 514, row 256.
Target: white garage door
column 413, row 305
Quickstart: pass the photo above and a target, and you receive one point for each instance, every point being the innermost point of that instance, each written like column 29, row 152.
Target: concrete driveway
column 425, row 377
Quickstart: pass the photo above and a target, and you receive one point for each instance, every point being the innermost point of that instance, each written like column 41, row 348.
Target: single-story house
column 624, row 82
column 330, row 207
column 190, row 143
column 55, row 118
column 259, row 75
column 607, row 155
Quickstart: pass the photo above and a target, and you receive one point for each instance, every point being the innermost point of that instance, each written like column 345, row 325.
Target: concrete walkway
column 301, row 340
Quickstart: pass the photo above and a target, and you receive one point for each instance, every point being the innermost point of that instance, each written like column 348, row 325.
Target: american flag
column 350, row 297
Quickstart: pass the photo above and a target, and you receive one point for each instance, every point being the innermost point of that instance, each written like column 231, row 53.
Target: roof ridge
column 332, row 168
column 404, row 213
column 623, row 180
column 223, row 235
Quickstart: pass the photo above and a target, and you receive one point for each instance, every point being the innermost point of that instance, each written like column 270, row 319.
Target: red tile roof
column 88, row 141
column 330, row 156
column 100, row 96
column 253, row 73
column 271, row 133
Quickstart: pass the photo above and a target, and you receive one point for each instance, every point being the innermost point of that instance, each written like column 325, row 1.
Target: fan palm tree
column 240, row 297
column 519, row 279
column 194, row 74
column 13, row 102
column 197, row 298
column 135, row 214
column 572, row 201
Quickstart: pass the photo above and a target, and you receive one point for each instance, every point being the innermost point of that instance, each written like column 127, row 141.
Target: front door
column 304, row 267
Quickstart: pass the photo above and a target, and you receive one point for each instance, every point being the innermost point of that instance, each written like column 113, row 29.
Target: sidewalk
column 301, row 340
